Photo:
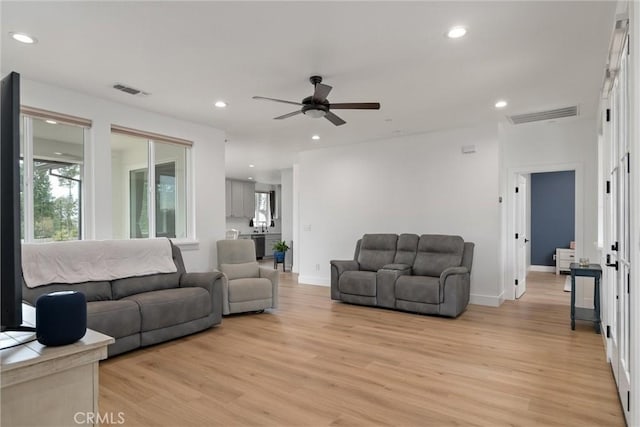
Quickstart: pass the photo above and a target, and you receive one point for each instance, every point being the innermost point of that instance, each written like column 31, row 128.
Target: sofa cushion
column 250, row 289
column 406, row 249
column 93, row 291
column 376, row 251
column 169, row 307
column 115, row 318
column 358, row 283
column 436, row 253
column 121, row 288
column 241, row 270
column 424, row 289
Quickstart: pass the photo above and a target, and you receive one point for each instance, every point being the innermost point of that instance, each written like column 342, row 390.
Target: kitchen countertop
column 260, row 234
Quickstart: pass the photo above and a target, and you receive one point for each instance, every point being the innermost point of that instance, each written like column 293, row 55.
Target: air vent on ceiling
column 558, row 113
column 129, row 90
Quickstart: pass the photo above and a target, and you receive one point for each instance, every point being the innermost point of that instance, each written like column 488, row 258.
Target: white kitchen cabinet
column 228, row 201
column 564, row 257
column 249, row 199
column 239, row 198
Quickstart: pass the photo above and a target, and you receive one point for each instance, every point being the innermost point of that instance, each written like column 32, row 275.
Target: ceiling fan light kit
column 317, row 105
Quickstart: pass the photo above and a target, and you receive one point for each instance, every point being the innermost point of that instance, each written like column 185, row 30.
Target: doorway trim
column 509, row 271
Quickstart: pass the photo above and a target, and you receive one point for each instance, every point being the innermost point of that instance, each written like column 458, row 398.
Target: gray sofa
column 145, row 310
column 426, row 274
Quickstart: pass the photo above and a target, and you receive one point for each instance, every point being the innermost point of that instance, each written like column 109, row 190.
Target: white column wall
column 286, row 212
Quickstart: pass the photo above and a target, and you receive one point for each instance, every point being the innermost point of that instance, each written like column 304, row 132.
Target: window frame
column 27, row 115
column 152, row 139
column 257, row 210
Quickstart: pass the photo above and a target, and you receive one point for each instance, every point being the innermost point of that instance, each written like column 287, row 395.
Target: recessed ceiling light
column 220, row 104
column 57, row 153
column 250, row 177
column 456, row 32
column 252, row 166
column 501, row 104
column 23, row 38
column 51, row 122
column 315, row 137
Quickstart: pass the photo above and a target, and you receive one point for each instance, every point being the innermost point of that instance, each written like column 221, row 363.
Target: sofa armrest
column 268, row 273
column 386, row 279
column 212, row 282
column 342, row 266
column 337, row 268
column 273, row 276
column 455, row 290
column 450, row 271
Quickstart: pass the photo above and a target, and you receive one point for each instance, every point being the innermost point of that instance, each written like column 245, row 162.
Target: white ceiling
column 537, row 55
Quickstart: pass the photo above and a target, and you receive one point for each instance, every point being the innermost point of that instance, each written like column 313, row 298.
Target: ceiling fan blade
column 321, row 93
column 277, row 100
column 355, row 106
column 334, row 119
column 285, row 116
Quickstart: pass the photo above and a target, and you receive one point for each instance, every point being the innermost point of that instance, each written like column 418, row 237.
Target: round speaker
column 61, row 317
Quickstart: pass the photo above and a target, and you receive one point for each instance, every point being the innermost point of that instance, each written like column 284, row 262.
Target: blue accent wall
column 552, row 214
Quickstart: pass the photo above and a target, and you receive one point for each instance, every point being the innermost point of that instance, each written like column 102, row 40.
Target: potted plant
column 280, row 249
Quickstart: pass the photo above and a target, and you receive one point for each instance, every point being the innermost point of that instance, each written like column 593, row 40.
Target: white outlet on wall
column 307, row 227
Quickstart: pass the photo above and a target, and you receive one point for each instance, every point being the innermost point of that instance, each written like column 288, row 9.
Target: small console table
column 50, row 386
column 590, row 314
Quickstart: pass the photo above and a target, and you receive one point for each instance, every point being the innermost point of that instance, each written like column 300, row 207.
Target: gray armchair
column 246, row 285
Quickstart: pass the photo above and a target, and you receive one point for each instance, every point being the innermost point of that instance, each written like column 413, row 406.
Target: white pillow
column 240, row 271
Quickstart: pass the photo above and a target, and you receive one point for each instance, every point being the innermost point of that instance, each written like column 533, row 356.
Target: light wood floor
column 314, row 362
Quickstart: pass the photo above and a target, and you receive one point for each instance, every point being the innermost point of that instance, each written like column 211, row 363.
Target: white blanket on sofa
column 94, row 260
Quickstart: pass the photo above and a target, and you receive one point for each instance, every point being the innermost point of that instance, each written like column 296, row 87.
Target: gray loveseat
column 145, row 310
column 426, row 274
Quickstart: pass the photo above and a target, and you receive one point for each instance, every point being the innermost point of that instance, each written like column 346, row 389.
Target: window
column 141, row 210
column 262, row 215
column 52, row 171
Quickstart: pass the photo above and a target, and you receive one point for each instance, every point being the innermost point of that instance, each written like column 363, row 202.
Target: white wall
column 416, row 184
column 207, row 165
column 569, row 144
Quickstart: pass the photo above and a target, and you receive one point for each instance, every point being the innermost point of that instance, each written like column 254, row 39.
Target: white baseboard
column 543, row 268
column 314, row 280
column 489, row 300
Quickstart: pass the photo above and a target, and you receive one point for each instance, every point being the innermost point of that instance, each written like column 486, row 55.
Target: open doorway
column 543, row 200
column 545, row 221
column 552, row 223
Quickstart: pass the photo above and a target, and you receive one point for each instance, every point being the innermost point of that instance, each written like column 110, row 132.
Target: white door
column 520, row 236
column 618, row 259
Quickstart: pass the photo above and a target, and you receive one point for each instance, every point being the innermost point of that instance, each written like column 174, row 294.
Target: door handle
column 526, row 240
column 611, row 264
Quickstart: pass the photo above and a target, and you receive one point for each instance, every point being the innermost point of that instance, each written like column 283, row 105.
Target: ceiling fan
column 317, row 105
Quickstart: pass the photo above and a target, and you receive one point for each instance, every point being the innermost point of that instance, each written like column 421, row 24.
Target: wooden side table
column 589, row 314
column 50, row 386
